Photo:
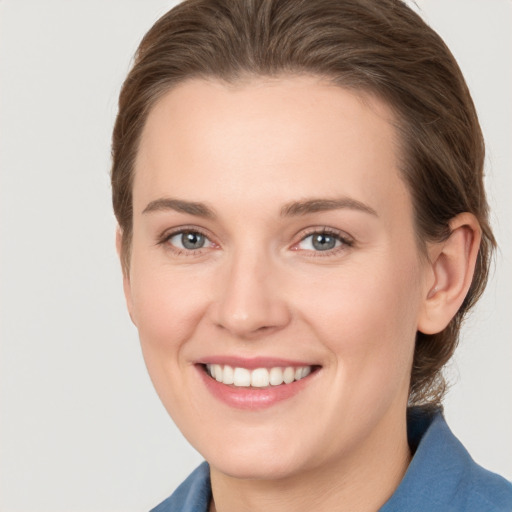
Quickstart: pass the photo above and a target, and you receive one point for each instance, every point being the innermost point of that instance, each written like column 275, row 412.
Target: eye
column 188, row 240
column 322, row 241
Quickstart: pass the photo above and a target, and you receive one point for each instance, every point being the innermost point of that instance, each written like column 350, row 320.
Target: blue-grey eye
column 319, row 242
column 192, row 240
column 189, row 240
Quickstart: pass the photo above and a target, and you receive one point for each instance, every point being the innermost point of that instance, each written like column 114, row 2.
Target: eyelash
column 166, row 237
column 345, row 241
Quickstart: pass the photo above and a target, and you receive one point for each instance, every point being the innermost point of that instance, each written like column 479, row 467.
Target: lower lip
column 252, row 398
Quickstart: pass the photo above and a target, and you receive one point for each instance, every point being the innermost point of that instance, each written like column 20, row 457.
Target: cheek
column 367, row 319
column 167, row 310
column 167, row 306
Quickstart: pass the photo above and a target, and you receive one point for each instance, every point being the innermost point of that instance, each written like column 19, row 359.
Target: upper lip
column 253, row 362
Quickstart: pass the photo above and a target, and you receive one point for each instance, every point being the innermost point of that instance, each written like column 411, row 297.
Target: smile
column 258, row 377
column 255, row 384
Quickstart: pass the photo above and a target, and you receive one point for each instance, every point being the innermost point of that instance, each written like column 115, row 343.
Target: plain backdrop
column 81, row 427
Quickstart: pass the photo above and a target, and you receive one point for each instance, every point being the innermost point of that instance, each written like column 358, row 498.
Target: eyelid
column 164, row 238
column 346, row 240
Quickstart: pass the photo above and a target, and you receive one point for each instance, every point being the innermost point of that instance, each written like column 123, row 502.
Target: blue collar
column 441, row 476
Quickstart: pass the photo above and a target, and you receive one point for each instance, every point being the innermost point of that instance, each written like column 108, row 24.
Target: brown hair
column 378, row 46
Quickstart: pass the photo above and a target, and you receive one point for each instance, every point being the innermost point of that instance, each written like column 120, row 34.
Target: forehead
column 267, row 140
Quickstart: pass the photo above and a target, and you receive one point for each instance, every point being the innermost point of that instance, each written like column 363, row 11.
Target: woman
column 302, row 228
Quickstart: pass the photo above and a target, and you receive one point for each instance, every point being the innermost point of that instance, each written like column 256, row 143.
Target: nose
column 250, row 300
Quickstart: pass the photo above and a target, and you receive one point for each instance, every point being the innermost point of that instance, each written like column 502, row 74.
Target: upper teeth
column 258, row 378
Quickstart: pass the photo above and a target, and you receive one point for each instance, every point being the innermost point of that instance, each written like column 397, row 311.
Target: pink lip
column 253, row 398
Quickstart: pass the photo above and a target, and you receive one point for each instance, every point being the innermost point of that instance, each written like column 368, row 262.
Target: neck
column 360, row 482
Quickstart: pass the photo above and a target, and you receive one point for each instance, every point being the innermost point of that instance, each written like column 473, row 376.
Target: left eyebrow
column 297, row 208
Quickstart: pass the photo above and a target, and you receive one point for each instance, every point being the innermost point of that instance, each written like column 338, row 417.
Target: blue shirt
column 442, row 476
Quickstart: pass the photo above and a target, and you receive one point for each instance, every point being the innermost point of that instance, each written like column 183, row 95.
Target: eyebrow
column 297, row 208
column 292, row 209
column 179, row 205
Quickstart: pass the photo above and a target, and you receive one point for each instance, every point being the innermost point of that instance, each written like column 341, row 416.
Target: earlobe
column 452, row 263
column 126, row 273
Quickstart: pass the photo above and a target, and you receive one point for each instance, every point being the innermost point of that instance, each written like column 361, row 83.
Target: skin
column 260, row 288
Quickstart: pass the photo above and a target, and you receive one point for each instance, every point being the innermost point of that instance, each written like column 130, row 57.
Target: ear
column 452, row 263
column 126, row 273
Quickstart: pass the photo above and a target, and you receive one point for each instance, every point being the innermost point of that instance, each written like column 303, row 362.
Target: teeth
column 228, row 376
column 242, row 377
column 288, row 375
column 258, row 378
column 276, row 376
column 217, row 371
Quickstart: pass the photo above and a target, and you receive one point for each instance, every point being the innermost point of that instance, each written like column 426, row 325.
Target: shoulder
column 443, row 476
column 488, row 491
column 193, row 495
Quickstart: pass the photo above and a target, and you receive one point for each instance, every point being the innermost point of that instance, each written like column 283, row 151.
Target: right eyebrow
column 179, row 205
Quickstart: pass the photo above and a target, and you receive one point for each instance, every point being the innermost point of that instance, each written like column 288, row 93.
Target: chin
column 270, row 468
column 263, row 460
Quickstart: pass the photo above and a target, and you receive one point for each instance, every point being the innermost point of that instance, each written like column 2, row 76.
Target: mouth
column 240, row 377
column 255, row 385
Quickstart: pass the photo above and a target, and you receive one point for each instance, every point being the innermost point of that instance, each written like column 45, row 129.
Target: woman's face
column 273, row 240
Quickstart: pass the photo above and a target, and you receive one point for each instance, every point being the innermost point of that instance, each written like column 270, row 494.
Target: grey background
column 81, row 428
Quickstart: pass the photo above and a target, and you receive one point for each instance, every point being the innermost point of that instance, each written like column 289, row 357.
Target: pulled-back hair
column 377, row 46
